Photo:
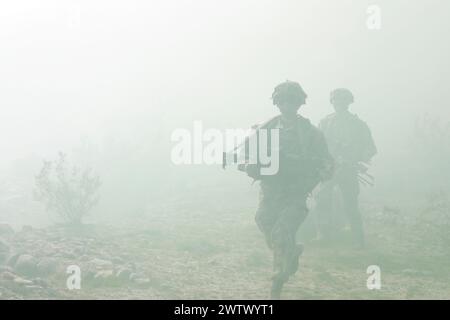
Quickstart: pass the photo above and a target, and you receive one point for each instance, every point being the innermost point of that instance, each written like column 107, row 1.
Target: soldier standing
column 303, row 162
column 350, row 143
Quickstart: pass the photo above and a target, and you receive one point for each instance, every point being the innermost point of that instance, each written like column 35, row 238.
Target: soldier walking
column 351, row 144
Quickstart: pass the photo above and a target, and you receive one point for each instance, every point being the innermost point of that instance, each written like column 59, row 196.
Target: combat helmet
column 342, row 94
column 288, row 91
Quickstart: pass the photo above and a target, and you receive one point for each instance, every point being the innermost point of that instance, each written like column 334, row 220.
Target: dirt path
column 215, row 252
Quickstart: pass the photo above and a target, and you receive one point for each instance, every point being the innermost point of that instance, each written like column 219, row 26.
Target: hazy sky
column 71, row 68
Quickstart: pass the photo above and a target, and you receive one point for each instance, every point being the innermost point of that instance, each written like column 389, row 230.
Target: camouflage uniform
column 350, row 142
column 304, row 161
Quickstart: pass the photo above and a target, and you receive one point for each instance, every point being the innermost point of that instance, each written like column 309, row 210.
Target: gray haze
column 108, row 81
column 97, row 69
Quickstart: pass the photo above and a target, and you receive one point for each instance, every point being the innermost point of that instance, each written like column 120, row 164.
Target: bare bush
column 70, row 192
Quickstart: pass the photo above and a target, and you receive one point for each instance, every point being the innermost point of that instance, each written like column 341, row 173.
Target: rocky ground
column 216, row 252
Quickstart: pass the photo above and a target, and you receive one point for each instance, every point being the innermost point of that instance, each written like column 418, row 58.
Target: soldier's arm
column 369, row 148
column 326, row 161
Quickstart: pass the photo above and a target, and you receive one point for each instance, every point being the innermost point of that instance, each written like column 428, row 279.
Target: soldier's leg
column 286, row 251
column 324, row 209
column 270, row 205
column 267, row 212
column 350, row 190
column 308, row 230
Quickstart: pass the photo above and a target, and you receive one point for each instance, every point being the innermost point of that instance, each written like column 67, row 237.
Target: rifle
column 363, row 176
column 361, row 167
column 244, row 143
column 365, row 181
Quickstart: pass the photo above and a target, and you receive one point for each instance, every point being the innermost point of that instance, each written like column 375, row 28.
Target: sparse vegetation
column 433, row 223
column 68, row 191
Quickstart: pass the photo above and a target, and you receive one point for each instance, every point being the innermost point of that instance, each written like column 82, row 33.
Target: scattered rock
column 117, row 260
column 123, row 274
column 142, row 282
column 47, row 266
column 6, row 268
column 40, row 282
column 104, row 275
column 104, row 278
column 100, row 263
column 26, row 264
column 133, row 277
column 131, row 266
column 8, row 275
column 22, row 281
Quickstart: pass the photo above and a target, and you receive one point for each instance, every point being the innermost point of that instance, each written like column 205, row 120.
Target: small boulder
column 40, row 282
column 104, row 277
column 100, row 263
column 7, row 275
column 133, row 276
column 26, row 264
column 6, row 268
column 47, row 266
column 142, row 282
column 123, row 274
column 22, row 281
column 103, row 274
